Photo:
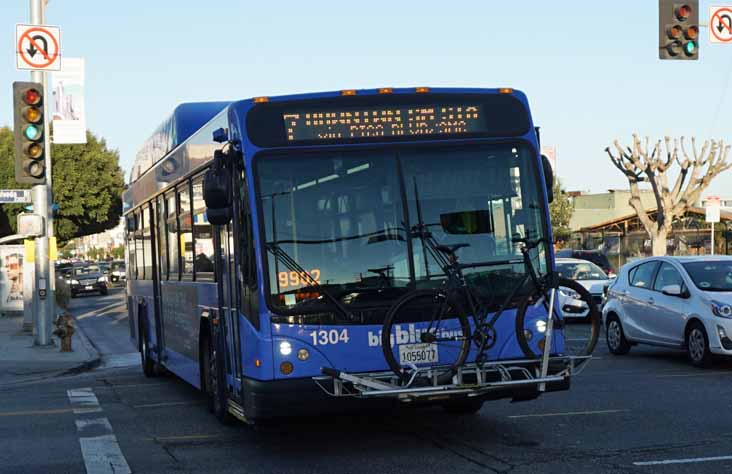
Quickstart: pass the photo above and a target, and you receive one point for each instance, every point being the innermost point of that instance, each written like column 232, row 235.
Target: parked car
column 87, row 278
column 682, row 302
column 594, row 256
column 118, row 272
column 586, row 274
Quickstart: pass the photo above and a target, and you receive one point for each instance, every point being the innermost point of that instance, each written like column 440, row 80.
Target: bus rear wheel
column 148, row 364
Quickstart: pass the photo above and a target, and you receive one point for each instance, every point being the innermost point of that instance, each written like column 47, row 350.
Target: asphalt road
column 650, row 406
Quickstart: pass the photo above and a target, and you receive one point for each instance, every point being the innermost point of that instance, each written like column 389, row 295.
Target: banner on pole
column 69, row 117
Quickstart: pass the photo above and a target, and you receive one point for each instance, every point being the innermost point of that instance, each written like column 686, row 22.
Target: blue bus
column 272, row 299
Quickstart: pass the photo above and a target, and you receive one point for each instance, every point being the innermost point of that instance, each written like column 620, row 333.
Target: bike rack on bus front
column 470, row 380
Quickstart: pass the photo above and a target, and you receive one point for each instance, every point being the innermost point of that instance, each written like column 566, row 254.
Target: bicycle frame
column 450, row 265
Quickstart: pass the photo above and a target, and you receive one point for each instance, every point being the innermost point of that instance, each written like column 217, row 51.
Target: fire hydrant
column 64, row 330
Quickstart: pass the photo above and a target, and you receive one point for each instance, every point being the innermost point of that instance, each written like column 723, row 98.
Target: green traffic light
column 689, row 48
column 32, row 132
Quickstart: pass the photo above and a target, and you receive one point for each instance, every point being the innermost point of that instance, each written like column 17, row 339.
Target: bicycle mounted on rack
column 459, row 326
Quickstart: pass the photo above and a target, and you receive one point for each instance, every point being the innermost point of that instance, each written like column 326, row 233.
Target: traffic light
column 30, row 153
column 678, row 29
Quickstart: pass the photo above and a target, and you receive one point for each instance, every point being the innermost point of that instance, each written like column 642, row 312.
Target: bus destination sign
column 383, row 121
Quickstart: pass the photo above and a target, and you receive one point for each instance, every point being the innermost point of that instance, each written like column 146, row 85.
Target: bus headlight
column 285, row 348
column 303, row 354
column 541, row 325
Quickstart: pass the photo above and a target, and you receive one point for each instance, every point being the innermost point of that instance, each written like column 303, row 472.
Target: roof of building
column 723, row 215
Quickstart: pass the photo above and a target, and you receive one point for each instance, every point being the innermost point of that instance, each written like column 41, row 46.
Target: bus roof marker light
column 261, row 100
column 348, row 92
column 422, row 90
column 505, row 90
column 386, row 90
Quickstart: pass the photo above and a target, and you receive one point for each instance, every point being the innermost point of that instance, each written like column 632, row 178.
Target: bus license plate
column 417, row 354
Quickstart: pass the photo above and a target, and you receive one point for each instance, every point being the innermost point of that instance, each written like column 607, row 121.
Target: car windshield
column 87, row 270
column 343, row 218
column 118, row 266
column 580, row 271
column 711, row 276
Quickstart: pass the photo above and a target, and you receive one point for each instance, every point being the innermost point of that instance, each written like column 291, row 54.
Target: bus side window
column 185, row 227
column 147, row 242
column 203, row 260
column 172, row 231
column 162, row 238
column 139, row 247
column 131, row 246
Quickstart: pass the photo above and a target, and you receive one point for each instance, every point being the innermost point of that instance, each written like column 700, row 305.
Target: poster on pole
column 11, row 278
column 69, row 117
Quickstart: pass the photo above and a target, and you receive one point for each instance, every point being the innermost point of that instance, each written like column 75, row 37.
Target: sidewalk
column 21, row 361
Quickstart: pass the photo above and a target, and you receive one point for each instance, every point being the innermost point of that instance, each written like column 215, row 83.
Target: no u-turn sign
column 38, row 47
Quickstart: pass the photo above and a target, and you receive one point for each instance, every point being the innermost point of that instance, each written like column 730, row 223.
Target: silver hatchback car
column 681, row 302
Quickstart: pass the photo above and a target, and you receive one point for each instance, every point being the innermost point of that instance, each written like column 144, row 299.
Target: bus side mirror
column 548, row 177
column 217, row 191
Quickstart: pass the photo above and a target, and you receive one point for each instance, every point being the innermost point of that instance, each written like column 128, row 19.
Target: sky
column 590, row 69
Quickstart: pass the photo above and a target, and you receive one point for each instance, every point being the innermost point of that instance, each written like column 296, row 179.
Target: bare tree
column 639, row 163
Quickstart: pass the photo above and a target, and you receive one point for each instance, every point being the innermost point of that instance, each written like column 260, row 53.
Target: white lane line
column 103, row 456
column 696, row 374
column 83, row 400
column 682, row 461
column 570, row 413
column 99, row 423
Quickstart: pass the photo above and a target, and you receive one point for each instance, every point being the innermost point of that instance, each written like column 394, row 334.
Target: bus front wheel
column 215, row 386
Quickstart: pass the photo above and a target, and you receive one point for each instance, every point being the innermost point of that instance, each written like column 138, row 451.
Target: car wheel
column 697, row 345
column 615, row 337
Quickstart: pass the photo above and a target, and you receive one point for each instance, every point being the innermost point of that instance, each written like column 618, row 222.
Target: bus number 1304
column 333, row 336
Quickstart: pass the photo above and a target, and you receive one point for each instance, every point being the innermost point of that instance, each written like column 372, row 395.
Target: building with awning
column 623, row 238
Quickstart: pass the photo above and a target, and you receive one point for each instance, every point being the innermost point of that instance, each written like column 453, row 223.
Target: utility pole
column 43, row 294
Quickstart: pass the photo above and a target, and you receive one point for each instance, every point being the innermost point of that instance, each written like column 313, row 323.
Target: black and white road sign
column 720, row 24
column 37, row 47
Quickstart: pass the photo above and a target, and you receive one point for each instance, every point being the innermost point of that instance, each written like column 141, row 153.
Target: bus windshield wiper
column 293, row 266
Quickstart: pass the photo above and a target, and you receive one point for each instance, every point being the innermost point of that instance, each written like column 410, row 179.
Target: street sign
column 30, row 224
column 713, row 205
column 720, row 24
column 38, row 47
column 14, row 196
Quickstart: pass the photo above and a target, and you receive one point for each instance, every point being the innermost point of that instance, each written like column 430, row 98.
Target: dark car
column 86, row 279
column 594, row 256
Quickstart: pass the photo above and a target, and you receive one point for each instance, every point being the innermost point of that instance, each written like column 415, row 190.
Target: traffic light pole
column 43, row 297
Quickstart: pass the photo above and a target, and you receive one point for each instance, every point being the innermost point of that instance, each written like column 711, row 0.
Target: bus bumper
column 342, row 393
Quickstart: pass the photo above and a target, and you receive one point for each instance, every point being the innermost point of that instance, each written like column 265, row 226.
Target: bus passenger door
column 228, row 295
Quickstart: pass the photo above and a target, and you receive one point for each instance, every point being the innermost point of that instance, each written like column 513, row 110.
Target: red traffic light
column 683, row 12
column 31, row 97
column 692, row 33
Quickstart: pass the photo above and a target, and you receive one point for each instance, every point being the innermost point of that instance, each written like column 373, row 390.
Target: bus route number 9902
column 324, row 337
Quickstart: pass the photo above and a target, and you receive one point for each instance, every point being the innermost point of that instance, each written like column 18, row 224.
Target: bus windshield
column 343, row 218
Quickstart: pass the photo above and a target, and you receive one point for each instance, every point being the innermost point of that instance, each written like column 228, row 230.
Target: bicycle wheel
column 426, row 329
column 576, row 322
